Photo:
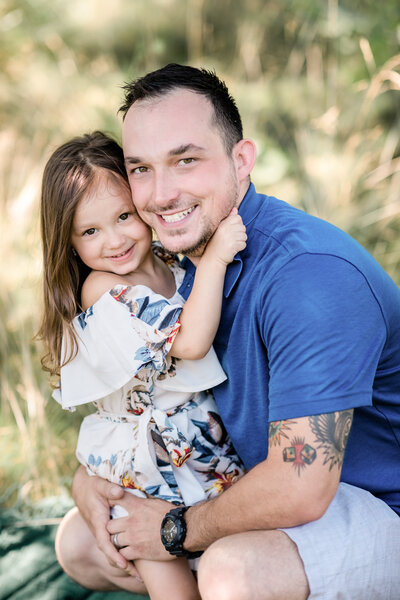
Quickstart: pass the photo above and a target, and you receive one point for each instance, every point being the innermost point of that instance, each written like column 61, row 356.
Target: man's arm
column 294, row 485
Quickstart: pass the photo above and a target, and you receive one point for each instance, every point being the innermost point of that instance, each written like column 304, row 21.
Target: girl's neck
column 156, row 275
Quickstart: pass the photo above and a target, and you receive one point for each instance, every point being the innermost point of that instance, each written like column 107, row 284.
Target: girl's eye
column 90, row 231
column 124, row 216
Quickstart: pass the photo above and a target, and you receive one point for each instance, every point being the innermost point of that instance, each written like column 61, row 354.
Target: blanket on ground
column 28, row 565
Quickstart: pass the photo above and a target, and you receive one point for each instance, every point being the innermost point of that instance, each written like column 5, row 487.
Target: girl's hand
column 229, row 239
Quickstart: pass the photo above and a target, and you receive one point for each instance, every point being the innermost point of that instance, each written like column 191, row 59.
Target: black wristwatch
column 173, row 533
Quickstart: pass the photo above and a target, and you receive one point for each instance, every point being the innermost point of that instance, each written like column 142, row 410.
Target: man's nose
column 165, row 190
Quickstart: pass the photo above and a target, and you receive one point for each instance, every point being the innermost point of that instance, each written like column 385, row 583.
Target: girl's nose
column 115, row 239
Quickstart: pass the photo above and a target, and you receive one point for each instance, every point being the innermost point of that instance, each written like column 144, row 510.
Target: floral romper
column 156, row 431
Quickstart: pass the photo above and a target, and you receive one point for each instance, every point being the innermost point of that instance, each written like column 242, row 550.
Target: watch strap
column 176, row 548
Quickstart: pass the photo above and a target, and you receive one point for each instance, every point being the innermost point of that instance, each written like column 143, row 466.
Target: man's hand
column 93, row 496
column 139, row 533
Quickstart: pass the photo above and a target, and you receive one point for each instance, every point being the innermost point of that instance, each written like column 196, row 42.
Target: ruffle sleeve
column 126, row 330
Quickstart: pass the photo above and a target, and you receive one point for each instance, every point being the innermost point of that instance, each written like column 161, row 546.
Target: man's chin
column 181, row 246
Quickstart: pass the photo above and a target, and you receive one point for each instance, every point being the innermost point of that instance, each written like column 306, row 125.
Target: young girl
column 116, row 334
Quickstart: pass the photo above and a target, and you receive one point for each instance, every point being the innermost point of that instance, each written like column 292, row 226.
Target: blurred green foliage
column 317, row 83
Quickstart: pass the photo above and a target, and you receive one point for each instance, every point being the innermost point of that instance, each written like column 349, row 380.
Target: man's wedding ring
column 114, row 540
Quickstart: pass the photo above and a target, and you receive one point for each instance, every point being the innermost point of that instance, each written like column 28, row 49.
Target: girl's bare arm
column 201, row 314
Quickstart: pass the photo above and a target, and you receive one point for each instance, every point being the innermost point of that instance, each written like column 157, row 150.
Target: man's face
column 183, row 182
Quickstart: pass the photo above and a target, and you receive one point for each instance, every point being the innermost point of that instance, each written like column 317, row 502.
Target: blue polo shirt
column 310, row 325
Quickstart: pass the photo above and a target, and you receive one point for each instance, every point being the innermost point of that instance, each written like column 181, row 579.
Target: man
column 310, row 341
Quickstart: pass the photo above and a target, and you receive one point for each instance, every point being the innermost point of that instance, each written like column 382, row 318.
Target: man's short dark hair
column 200, row 81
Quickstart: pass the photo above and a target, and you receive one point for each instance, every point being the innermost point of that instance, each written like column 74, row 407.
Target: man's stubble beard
column 196, row 250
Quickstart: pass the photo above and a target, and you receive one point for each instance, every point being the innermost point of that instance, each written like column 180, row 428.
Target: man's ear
column 244, row 155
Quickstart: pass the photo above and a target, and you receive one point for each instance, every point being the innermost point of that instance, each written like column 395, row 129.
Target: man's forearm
column 260, row 500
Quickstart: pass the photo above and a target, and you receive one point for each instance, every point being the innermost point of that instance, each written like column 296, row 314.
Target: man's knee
column 220, row 572
column 72, row 548
column 259, row 565
column 225, row 571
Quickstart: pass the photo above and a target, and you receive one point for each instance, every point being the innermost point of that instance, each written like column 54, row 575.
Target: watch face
column 170, row 530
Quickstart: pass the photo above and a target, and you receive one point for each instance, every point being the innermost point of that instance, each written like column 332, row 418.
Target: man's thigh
column 353, row 551
column 255, row 565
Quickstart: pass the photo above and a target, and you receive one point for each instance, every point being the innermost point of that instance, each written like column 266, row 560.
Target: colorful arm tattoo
column 331, row 431
column 278, row 430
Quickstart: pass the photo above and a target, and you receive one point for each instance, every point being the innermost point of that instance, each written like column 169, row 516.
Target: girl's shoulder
column 96, row 284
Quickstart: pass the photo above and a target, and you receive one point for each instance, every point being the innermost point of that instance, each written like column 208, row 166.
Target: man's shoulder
column 287, row 231
column 282, row 235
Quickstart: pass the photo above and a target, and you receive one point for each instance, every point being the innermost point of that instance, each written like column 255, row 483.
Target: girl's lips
column 122, row 256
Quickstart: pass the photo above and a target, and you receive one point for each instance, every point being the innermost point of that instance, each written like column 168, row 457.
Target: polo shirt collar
column 248, row 210
column 250, row 205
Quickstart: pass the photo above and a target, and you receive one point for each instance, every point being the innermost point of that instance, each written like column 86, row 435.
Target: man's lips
column 177, row 216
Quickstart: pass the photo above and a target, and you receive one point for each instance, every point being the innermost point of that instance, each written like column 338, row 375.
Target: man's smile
column 178, row 216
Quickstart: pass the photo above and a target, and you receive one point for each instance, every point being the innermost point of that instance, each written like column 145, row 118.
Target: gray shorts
column 353, row 551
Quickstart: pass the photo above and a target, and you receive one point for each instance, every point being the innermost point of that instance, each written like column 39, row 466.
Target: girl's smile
column 125, row 254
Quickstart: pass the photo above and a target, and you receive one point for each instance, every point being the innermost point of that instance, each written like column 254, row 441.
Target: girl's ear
column 244, row 155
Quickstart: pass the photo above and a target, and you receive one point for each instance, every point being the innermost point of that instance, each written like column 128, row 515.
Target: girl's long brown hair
column 67, row 177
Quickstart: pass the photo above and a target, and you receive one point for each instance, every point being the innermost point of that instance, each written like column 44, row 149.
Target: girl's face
column 107, row 232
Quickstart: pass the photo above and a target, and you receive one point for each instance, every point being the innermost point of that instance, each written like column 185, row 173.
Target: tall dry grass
column 36, row 444
column 327, row 133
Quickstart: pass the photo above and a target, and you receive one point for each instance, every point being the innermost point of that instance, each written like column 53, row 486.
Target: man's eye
column 187, row 161
column 140, row 170
column 90, row 231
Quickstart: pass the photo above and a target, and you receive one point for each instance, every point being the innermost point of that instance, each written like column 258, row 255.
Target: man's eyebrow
column 132, row 160
column 174, row 152
column 185, row 148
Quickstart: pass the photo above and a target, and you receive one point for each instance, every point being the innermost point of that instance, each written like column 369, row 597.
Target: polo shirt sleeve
column 324, row 332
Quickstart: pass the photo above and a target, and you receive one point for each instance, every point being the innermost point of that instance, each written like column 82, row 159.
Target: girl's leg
column 168, row 579
column 163, row 579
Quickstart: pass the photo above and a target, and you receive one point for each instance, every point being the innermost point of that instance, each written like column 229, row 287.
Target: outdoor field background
column 317, row 83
